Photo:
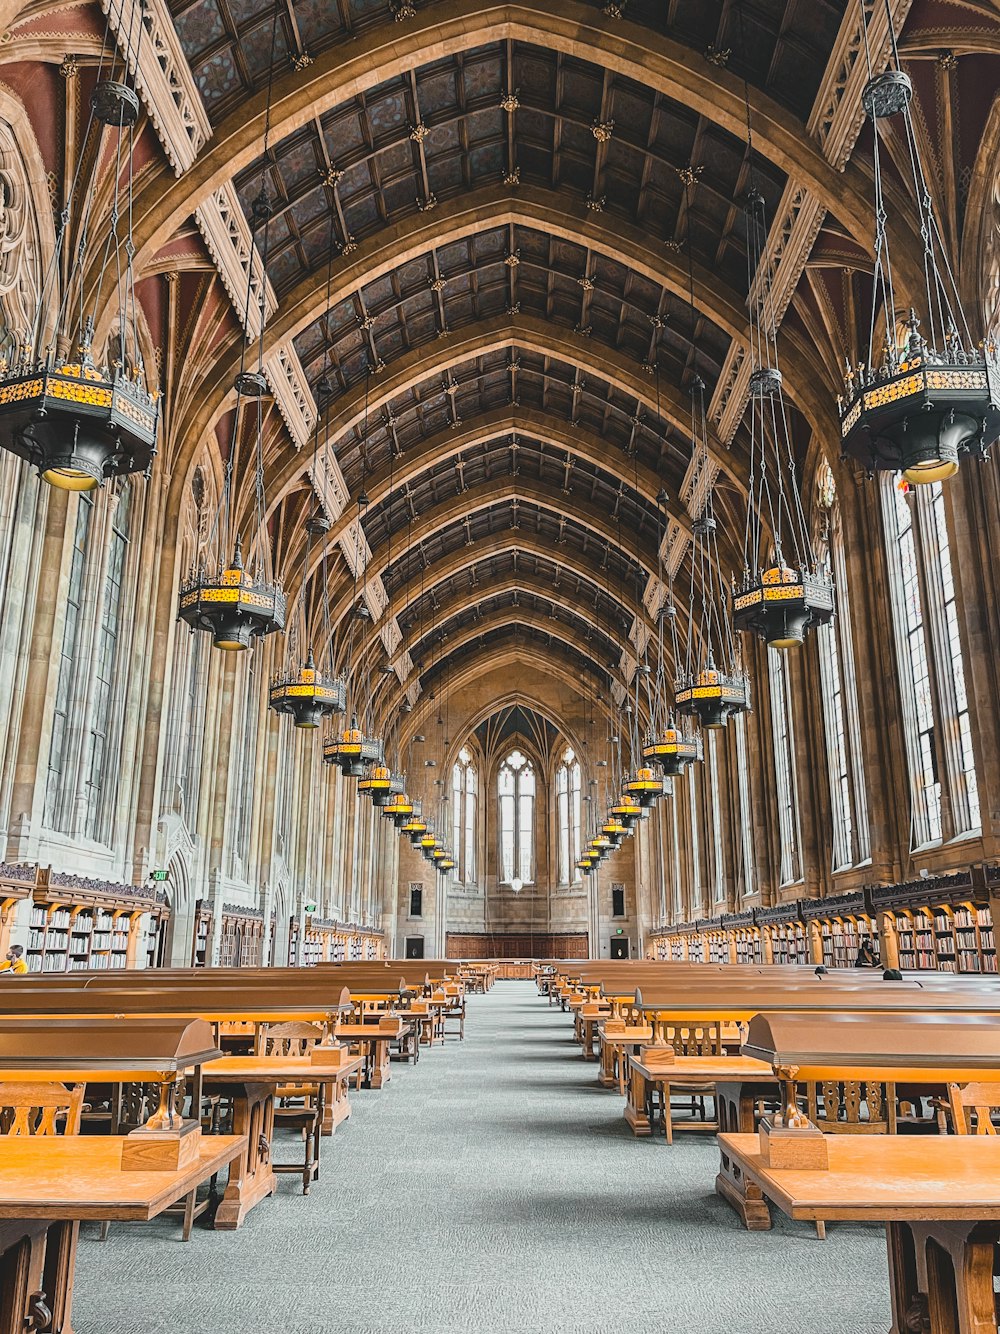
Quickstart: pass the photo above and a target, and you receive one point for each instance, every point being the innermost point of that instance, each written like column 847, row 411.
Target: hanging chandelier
column 360, row 745
column 667, row 744
column 644, row 786
column 399, row 809
column 918, row 400
column 78, row 419
column 237, row 599
column 413, row 826
column 712, row 685
column 308, row 696
column 307, row 692
column 615, row 831
column 784, row 590
column 351, row 751
column 627, row 810
column 382, row 785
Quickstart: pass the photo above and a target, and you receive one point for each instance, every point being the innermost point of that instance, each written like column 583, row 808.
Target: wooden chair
column 40, row 1109
column 297, row 1106
column 982, row 1101
column 851, row 1107
column 690, row 1040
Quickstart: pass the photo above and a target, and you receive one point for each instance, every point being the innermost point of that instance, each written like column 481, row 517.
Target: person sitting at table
column 866, row 957
column 14, row 962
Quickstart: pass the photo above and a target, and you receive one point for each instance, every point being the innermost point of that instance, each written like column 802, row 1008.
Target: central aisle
column 494, row 1187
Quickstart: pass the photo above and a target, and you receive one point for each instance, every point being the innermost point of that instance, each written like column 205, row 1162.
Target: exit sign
column 160, row 875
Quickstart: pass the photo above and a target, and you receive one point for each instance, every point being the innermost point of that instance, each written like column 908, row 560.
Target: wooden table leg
column 606, row 1076
column 37, row 1262
column 735, row 1104
column 381, row 1072
column 635, row 1108
column 941, row 1277
column 251, row 1176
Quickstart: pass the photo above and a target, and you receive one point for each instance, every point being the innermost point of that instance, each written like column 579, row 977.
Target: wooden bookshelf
column 241, row 938
column 201, row 940
column 944, row 923
column 327, row 941
column 79, row 924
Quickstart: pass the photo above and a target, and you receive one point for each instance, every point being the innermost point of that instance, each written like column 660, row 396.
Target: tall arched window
column 568, row 816
column 935, row 704
column 464, row 786
column 100, row 789
column 784, row 767
column 840, row 704
column 516, row 798
column 57, row 802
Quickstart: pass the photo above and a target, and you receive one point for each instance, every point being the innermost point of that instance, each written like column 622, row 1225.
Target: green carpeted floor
column 493, row 1187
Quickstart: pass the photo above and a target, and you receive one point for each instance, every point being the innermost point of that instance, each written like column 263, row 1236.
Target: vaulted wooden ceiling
column 505, row 241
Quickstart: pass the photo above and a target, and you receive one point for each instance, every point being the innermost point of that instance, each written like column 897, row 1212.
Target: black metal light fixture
column 712, row 685
column 361, row 745
column 784, row 590
column 668, row 744
column 77, row 420
column 919, row 400
column 352, row 751
column 237, row 598
column 381, row 785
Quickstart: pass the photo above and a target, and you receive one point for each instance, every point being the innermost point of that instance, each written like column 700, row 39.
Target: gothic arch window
column 104, row 742
column 786, row 786
column 464, row 794
column 746, row 875
column 841, row 722
column 931, row 664
column 57, row 798
column 243, row 763
column 568, row 816
column 516, row 800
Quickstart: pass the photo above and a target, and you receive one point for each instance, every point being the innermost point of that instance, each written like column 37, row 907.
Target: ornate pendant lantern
column 301, row 689
column 308, row 696
column 916, row 402
column 784, row 590
column 446, row 864
column 399, row 809
column 76, row 419
column 627, row 810
column 233, row 605
column 615, row 832
column 238, row 599
column 351, row 751
column 712, row 686
column 381, row 784
column 644, row 787
column 414, row 827
column 672, row 749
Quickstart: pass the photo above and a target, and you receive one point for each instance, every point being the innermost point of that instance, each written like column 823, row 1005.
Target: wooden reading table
column 372, row 1042
column 741, row 1073
column 48, row 1186
column 941, row 1211
column 252, row 1083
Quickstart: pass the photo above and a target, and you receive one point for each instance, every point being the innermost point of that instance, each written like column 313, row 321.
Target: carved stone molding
column 292, row 394
column 163, row 77
column 230, row 243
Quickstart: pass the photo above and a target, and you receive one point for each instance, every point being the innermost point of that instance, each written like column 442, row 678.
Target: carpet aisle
column 493, row 1187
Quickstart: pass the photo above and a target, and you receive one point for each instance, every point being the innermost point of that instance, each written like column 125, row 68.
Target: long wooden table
column 252, row 1081
column 373, row 1042
column 737, row 1076
column 941, row 1211
column 48, row 1186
